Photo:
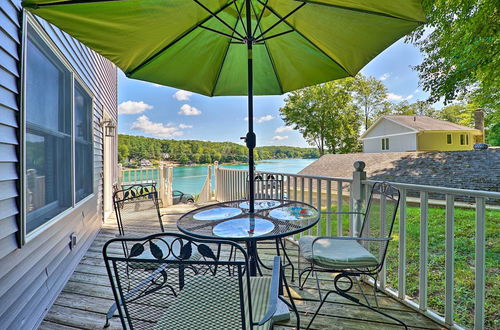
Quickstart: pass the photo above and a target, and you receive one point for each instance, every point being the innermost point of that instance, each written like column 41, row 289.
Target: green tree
column 460, row 44
column 123, row 152
column 458, row 113
column 494, row 135
column 325, row 115
column 370, row 96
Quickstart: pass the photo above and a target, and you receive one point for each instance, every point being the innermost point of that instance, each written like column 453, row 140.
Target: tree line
column 136, row 148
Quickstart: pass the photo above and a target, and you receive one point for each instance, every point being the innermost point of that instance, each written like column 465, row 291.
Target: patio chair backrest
column 380, row 215
column 174, row 286
column 135, row 205
column 267, row 186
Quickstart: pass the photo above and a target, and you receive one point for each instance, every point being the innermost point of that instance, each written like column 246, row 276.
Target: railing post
column 161, row 188
column 120, row 174
column 209, row 183
column 169, row 175
column 358, row 194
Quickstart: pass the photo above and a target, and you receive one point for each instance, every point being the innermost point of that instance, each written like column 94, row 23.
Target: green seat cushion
column 336, row 253
column 211, row 302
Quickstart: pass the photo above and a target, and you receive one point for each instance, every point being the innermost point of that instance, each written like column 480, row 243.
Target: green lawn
column 464, row 260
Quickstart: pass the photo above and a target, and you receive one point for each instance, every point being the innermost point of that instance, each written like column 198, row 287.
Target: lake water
column 190, row 179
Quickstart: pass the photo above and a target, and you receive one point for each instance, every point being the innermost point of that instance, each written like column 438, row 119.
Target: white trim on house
column 387, row 135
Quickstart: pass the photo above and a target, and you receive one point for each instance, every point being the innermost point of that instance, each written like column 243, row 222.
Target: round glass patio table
column 273, row 219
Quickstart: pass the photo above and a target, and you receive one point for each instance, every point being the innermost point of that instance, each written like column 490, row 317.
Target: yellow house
column 394, row 133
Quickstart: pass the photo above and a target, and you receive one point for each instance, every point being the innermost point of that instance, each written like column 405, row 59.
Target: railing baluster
column 383, row 210
column 318, row 197
column 340, row 200
column 310, row 193
column 402, row 246
column 328, row 207
column 302, row 187
column 480, row 263
column 288, row 192
column 422, row 294
column 450, row 259
column 295, row 187
column 351, row 209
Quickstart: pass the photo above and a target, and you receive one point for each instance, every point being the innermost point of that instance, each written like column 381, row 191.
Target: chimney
column 479, row 124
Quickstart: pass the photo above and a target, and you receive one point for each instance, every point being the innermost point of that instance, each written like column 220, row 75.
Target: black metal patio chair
column 177, row 292
column 270, row 186
column 351, row 258
column 135, row 204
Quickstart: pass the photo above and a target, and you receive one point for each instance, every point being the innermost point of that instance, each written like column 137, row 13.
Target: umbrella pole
column 250, row 138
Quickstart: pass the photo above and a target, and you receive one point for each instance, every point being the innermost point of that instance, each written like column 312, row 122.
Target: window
column 464, row 139
column 385, row 144
column 83, row 143
column 53, row 133
column 448, row 139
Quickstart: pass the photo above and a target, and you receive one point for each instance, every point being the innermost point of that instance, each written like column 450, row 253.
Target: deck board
column 87, row 296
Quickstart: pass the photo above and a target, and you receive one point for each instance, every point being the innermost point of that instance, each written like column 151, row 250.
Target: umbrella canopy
column 235, row 47
column 174, row 43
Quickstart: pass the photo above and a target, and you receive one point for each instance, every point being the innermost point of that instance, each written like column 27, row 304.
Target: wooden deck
column 87, row 296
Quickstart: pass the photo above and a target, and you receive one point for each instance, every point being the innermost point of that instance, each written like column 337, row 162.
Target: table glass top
column 292, row 213
column 243, row 227
column 260, row 204
column 231, row 220
column 219, row 213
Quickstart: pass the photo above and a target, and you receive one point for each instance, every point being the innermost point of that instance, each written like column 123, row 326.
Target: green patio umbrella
column 235, row 47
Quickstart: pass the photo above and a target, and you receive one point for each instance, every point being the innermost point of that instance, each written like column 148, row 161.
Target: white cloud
column 280, row 137
column 146, row 126
column 416, row 91
column 133, row 107
column 157, row 85
column 182, row 126
column 262, row 119
column 188, row 110
column 283, row 129
column 395, row 97
column 181, row 95
column 385, row 76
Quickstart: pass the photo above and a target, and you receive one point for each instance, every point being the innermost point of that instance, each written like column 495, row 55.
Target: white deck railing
column 329, row 192
column 161, row 176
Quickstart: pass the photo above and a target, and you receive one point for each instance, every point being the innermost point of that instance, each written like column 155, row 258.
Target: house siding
column 32, row 275
column 397, row 143
column 436, row 140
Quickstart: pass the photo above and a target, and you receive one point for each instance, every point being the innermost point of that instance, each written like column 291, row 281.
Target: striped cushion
column 336, row 254
column 210, row 302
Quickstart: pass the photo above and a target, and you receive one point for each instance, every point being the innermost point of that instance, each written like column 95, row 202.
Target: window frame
column 463, row 139
column 385, row 144
column 450, row 136
column 30, row 21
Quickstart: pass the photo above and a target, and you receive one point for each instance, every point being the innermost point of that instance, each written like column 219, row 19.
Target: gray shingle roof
column 424, row 123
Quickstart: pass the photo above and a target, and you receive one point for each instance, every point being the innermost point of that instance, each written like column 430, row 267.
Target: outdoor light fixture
column 109, row 128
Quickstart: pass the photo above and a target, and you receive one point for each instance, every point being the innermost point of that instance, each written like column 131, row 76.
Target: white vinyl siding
column 33, row 272
column 399, row 142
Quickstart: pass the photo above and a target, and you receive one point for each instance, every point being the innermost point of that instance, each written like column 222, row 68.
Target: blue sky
column 163, row 112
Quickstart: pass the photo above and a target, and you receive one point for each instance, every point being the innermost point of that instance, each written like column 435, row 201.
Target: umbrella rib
column 260, row 17
column 218, row 18
column 282, row 19
column 187, row 32
column 221, row 33
column 224, row 59
column 67, row 2
column 307, row 39
column 365, row 11
column 272, row 61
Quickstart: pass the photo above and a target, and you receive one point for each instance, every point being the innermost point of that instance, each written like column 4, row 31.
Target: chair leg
column 317, row 284
column 319, row 307
column 285, row 254
column 308, row 271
